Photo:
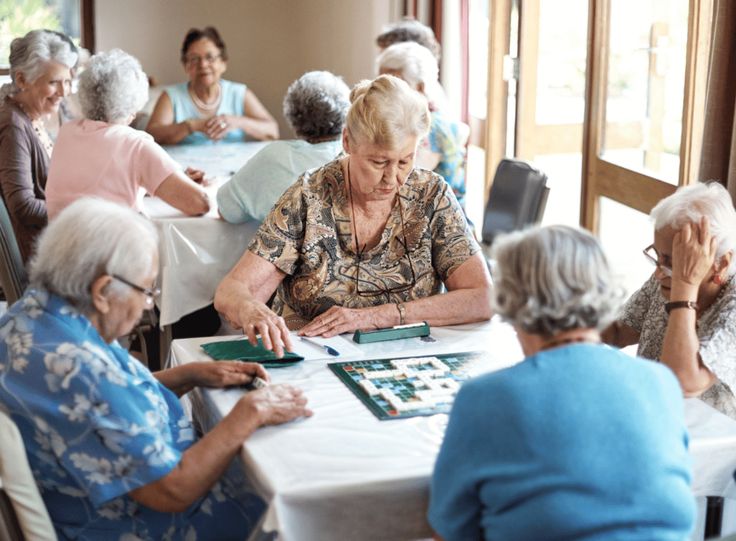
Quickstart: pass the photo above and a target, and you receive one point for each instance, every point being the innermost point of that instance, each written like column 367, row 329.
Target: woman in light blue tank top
column 208, row 108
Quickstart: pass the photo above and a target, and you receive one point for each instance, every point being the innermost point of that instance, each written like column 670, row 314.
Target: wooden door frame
column 601, row 178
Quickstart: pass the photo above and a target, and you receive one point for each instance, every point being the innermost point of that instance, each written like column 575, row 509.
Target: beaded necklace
column 204, row 106
column 40, row 130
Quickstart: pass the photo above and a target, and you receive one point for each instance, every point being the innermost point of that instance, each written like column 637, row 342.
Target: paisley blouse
column 308, row 235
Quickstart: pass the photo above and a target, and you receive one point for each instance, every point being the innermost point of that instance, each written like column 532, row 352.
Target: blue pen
column 332, row 351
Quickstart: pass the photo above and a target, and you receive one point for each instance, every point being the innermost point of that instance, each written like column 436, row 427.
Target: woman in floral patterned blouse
column 364, row 242
column 108, row 442
column 685, row 314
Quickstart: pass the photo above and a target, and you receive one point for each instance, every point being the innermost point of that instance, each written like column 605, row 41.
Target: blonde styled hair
column 385, row 112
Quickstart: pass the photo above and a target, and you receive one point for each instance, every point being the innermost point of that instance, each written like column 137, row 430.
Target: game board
column 410, row 386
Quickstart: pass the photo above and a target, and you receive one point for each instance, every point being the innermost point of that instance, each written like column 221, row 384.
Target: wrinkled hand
column 226, row 373
column 338, row 320
column 256, row 318
column 693, row 253
column 276, row 404
column 197, row 175
column 217, row 127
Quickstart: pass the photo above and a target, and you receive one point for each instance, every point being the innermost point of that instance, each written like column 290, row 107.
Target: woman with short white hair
column 443, row 149
column 315, row 106
column 102, row 156
column 575, row 426
column 684, row 314
column 41, row 64
column 113, row 453
column 363, row 242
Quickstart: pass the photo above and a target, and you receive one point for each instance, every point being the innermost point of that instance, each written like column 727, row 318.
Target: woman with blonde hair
column 364, row 242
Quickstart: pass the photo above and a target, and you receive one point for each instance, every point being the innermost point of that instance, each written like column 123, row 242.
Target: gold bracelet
column 402, row 312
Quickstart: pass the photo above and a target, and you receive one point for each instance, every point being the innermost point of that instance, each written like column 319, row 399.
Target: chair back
column 23, row 515
column 517, row 199
column 13, row 275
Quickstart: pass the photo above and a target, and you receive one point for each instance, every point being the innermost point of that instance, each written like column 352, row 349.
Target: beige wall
column 270, row 42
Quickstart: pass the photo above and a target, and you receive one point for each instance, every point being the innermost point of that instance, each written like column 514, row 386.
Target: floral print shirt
column 444, row 139
column 96, row 424
column 308, row 235
column 644, row 312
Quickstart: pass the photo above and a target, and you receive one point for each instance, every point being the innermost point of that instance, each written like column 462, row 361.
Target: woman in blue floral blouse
column 109, row 445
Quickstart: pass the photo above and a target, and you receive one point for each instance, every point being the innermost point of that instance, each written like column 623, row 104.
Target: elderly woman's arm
column 184, row 194
column 242, row 295
column 16, row 179
column 256, row 121
column 183, row 378
column 693, row 254
column 467, row 300
column 162, row 127
column 204, row 462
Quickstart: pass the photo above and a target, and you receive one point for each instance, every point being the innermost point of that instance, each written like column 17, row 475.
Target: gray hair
column 89, row 238
column 316, row 104
column 113, row 87
column 31, row 54
column 552, row 279
column 409, row 30
column 385, row 111
column 690, row 203
column 415, row 63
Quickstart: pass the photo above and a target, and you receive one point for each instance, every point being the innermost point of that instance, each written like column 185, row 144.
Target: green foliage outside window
column 19, row 17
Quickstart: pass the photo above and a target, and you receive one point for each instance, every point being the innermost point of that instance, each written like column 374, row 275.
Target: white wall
column 270, row 42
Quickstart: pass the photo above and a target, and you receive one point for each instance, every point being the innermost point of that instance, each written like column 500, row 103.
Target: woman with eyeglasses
column 41, row 64
column 364, row 242
column 684, row 314
column 112, row 451
column 208, row 108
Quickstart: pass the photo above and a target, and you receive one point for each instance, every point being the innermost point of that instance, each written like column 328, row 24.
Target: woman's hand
column 197, row 175
column 225, row 373
column 274, row 405
column 693, row 253
column 338, row 320
column 256, row 318
column 217, row 127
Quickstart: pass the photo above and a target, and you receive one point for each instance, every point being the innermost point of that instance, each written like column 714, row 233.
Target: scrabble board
column 410, row 386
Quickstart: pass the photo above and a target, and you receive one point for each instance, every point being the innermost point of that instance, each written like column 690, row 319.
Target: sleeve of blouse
column 16, row 178
column 718, row 345
column 452, row 240
column 636, row 307
column 154, row 165
column 279, row 239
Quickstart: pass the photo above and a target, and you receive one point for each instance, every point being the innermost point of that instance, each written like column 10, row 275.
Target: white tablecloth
column 343, row 474
column 196, row 253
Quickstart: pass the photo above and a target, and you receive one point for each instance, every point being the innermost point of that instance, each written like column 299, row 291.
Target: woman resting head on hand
column 363, row 242
column 112, row 450
column 684, row 314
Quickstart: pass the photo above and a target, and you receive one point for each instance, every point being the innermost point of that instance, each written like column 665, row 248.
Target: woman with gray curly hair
column 684, row 313
column 41, row 64
column 315, row 106
column 102, row 156
column 112, row 450
column 575, row 426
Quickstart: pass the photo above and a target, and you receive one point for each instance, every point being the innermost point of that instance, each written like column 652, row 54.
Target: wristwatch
column 681, row 304
column 402, row 312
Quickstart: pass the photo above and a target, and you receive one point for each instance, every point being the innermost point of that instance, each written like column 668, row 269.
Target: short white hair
column 690, row 203
column 32, row 54
column 89, row 238
column 113, row 87
column 552, row 279
column 415, row 63
column 385, row 112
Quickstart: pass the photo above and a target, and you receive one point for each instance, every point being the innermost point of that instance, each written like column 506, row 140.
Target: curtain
column 718, row 159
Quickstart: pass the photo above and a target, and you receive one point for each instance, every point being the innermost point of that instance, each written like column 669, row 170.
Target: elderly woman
column 315, row 105
column 409, row 29
column 102, row 156
column 443, row 149
column 365, row 241
column 579, row 440
column 684, row 314
column 113, row 453
column 41, row 64
column 208, row 108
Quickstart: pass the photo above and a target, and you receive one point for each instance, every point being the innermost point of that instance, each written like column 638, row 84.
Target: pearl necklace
column 39, row 128
column 212, row 106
